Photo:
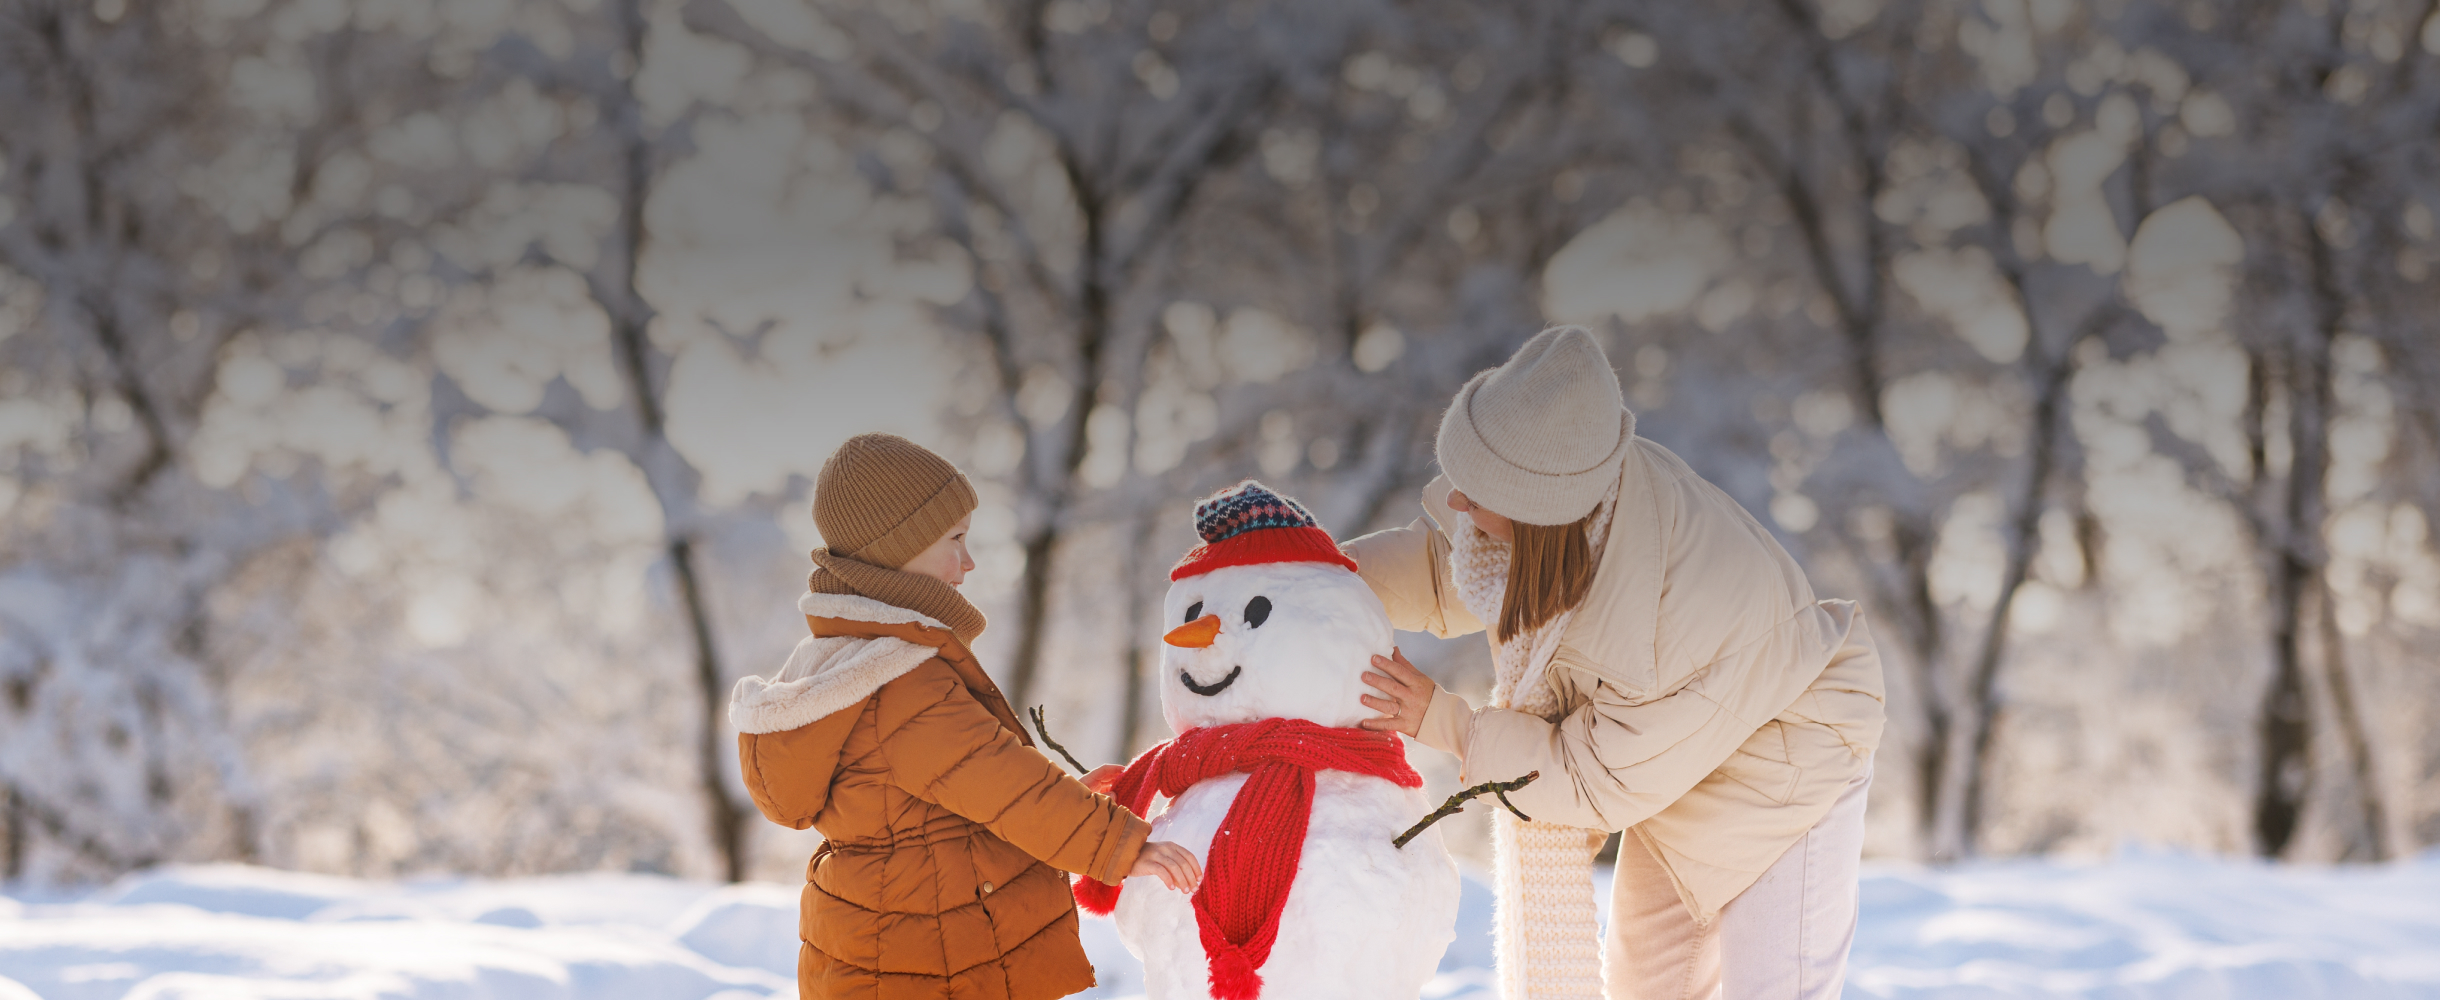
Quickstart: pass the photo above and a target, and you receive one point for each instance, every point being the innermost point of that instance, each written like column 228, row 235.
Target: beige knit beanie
column 882, row 499
column 1539, row 439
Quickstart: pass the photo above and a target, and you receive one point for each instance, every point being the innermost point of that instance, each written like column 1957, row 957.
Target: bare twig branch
column 1035, row 713
column 1457, row 803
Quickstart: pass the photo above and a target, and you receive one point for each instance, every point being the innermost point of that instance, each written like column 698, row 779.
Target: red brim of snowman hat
column 1248, row 524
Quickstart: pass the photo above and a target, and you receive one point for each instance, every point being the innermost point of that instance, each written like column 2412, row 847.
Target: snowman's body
column 1363, row 918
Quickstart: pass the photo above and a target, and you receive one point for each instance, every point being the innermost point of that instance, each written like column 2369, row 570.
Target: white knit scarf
column 1548, row 931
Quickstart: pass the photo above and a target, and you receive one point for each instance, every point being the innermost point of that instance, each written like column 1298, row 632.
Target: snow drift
column 2141, row 926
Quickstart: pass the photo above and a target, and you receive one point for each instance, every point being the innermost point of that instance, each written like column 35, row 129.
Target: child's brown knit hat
column 882, row 499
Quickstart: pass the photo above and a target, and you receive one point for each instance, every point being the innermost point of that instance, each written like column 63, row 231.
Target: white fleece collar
column 823, row 675
column 827, row 674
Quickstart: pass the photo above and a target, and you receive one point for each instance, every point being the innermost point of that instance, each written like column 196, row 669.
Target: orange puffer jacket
column 945, row 833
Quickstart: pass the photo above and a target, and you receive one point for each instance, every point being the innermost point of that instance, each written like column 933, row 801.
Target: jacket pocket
column 1774, row 778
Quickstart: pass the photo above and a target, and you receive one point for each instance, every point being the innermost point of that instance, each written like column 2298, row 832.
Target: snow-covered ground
column 2140, row 926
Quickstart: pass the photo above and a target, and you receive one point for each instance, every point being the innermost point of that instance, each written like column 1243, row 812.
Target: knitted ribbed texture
column 1247, row 524
column 1254, row 855
column 1538, row 439
column 879, row 501
column 1547, row 931
column 837, row 574
column 882, row 499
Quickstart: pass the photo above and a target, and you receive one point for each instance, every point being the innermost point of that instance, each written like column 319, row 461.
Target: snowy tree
column 1060, row 146
column 1886, row 173
column 2334, row 118
column 175, row 182
column 1209, row 240
column 621, row 158
column 406, row 411
column 1960, row 184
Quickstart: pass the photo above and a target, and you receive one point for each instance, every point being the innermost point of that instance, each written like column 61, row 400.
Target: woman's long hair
column 1550, row 569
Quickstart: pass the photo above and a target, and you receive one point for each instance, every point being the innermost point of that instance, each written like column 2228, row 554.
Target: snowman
column 1289, row 805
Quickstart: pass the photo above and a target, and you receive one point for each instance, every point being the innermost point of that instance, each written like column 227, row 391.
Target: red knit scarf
column 1254, row 855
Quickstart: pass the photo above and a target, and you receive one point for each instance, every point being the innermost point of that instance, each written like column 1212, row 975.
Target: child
column 944, row 833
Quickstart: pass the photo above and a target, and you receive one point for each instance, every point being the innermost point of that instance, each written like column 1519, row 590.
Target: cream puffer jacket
column 1709, row 702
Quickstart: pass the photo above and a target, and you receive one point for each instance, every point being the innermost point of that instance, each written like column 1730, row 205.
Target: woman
column 1663, row 664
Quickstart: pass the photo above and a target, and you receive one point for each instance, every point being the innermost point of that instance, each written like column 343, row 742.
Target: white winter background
column 408, row 413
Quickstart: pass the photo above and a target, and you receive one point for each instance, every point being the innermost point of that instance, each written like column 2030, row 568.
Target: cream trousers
column 1784, row 938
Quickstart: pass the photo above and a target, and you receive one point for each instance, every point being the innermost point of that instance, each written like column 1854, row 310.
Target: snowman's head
column 1291, row 640
column 1266, row 619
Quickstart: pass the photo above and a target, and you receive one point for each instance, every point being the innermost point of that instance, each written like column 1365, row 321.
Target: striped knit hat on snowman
column 1247, row 524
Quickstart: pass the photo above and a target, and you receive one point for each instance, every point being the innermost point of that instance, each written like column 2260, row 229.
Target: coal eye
column 1257, row 611
column 1194, row 611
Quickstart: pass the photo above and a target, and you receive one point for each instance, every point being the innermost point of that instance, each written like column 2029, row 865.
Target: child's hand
column 1103, row 778
column 1175, row 866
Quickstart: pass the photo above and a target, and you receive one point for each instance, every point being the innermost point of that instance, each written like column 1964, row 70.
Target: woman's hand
column 1103, row 778
column 1405, row 694
column 1175, row 866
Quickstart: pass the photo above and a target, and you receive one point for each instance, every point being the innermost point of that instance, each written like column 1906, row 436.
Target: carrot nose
column 1195, row 634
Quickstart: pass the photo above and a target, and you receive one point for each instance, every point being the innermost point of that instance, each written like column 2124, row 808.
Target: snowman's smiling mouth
column 1214, row 689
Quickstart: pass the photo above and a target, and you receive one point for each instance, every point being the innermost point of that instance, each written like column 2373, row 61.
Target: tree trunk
column 2313, row 412
column 127, row 378
column 2299, row 599
column 728, row 819
column 1033, row 614
column 2281, row 727
column 1094, row 325
column 630, row 316
column 12, row 834
column 2351, row 727
column 2024, row 536
column 1140, row 663
column 2285, row 772
column 1926, row 650
column 1143, row 654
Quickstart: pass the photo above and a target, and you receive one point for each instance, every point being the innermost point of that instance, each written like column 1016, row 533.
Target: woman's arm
column 1408, row 569
column 1622, row 763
